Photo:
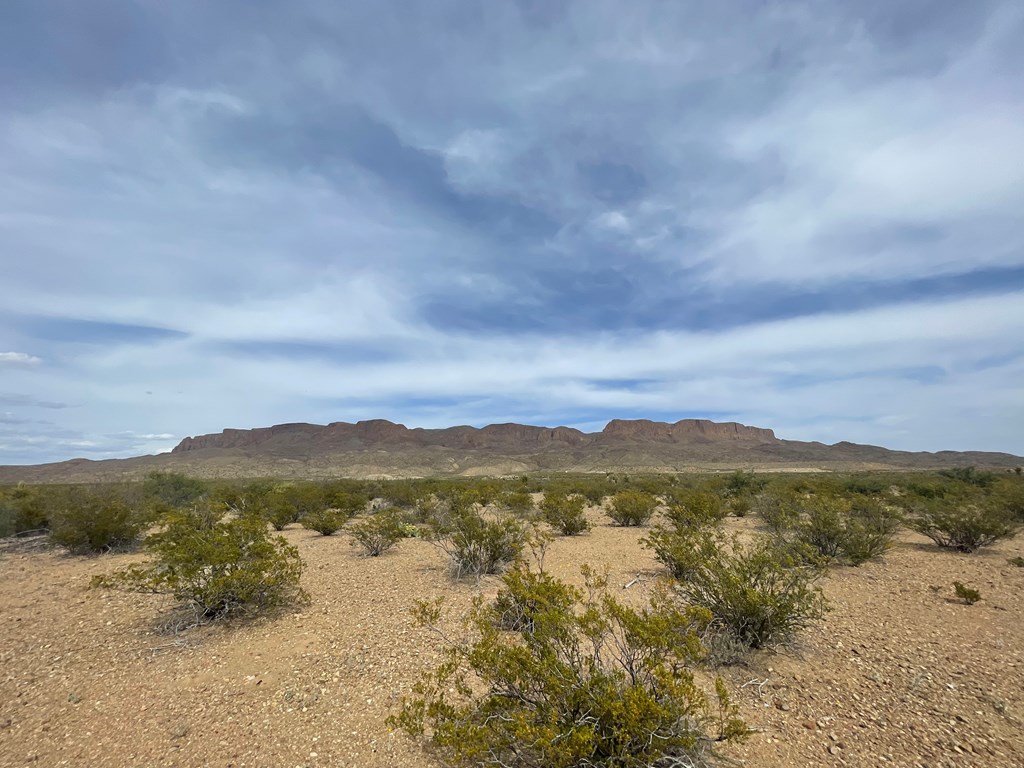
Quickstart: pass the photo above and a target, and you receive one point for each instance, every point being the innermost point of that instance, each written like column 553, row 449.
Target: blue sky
column 798, row 215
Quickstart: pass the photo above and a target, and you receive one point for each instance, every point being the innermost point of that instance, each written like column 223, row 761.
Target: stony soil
column 897, row 674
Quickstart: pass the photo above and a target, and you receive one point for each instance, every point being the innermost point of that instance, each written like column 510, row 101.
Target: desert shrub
column 173, row 488
column 1017, row 562
column 964, row 527
column 347, row 503
column 761, row 593
column 234, row 567
column 517, row 502
column 325, row 521
column 565, row 513
column 691, row 507
column 740, row 506
column 585, row 681
column 869, row 530
column 95, row 521
column 778, row 514
column 965, row 593
column 25, row 509
column 969, row 476
column 525, row 596
column 477, row 546
column 837, row 529
column 631, row 508
column 378, row 533
column 822, row 525
column 682, row 550
column 1009, row 494
column 743, row 484
column 278, row 511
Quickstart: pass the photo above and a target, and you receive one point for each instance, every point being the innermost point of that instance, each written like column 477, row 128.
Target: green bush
column 969, row 476
column 837, row 529
column 173, row 488
column 965, row 593
column 526, row 596
column 779, row 515
column 28, row 509
column 378, row 533
column 95, row 521
column 761, row 593
column 477, row 546
column 964, row 527
column 681, row 550
column 517, row 502
column 231, row 568
column 324, row 521
column 870, row 529
column 691, row 507
column 631, row 508
column 585, row 681
column 565, row 513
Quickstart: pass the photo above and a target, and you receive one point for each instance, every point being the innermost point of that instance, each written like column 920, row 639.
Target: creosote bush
column 838, row 529
column 324, row 521
column 517, row 502
column 565, row 513
column 477, row 545
column 234, row 567
column 631, row 508
column 378, row 533
column 95, row 521
column 692, row 507
column 554, row 676
column 760, row 592
column 964, row 526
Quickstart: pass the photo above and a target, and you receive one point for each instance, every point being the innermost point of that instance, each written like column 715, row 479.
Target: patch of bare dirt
column 897, row 674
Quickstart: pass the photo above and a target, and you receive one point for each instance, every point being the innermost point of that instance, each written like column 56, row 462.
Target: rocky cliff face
column 379, row 448
column 685, row 430
column 512, row 438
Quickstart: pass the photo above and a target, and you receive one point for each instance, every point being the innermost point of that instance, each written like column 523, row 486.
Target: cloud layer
column 804, row 217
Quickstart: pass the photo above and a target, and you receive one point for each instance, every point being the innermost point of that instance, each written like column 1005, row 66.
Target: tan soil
column 897, row 674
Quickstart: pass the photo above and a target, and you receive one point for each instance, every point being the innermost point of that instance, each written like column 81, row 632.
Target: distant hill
column 382, row 449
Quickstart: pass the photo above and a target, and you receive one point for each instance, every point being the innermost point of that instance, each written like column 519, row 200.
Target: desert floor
column 897, row 673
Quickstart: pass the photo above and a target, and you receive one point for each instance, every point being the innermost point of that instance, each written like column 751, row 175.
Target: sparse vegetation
column 475, row 545
column 585, row 681
column 631, row 508
column 964, row 525
column 324, row 521
column 565, row 513
column 233, row 567
column 95, row 521
column 378, row 533
column 761, row 593
column 968, row 594
column 694, row 507
column 836, row 528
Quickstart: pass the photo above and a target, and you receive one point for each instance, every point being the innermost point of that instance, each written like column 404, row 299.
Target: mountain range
column 382, row 449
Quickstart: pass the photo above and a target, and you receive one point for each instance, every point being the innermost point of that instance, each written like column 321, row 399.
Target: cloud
column 18, row 358
column 803, row 215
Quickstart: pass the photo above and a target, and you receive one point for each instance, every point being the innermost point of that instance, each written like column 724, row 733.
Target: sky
column 807, row 216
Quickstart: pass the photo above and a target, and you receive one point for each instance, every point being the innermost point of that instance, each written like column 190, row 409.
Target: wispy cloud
column 803, row 215
column 18, row 358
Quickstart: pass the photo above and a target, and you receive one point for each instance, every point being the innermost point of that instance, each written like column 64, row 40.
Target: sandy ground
column 897, row 674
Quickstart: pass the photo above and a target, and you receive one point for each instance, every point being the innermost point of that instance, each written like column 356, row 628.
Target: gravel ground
column 897, row 674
